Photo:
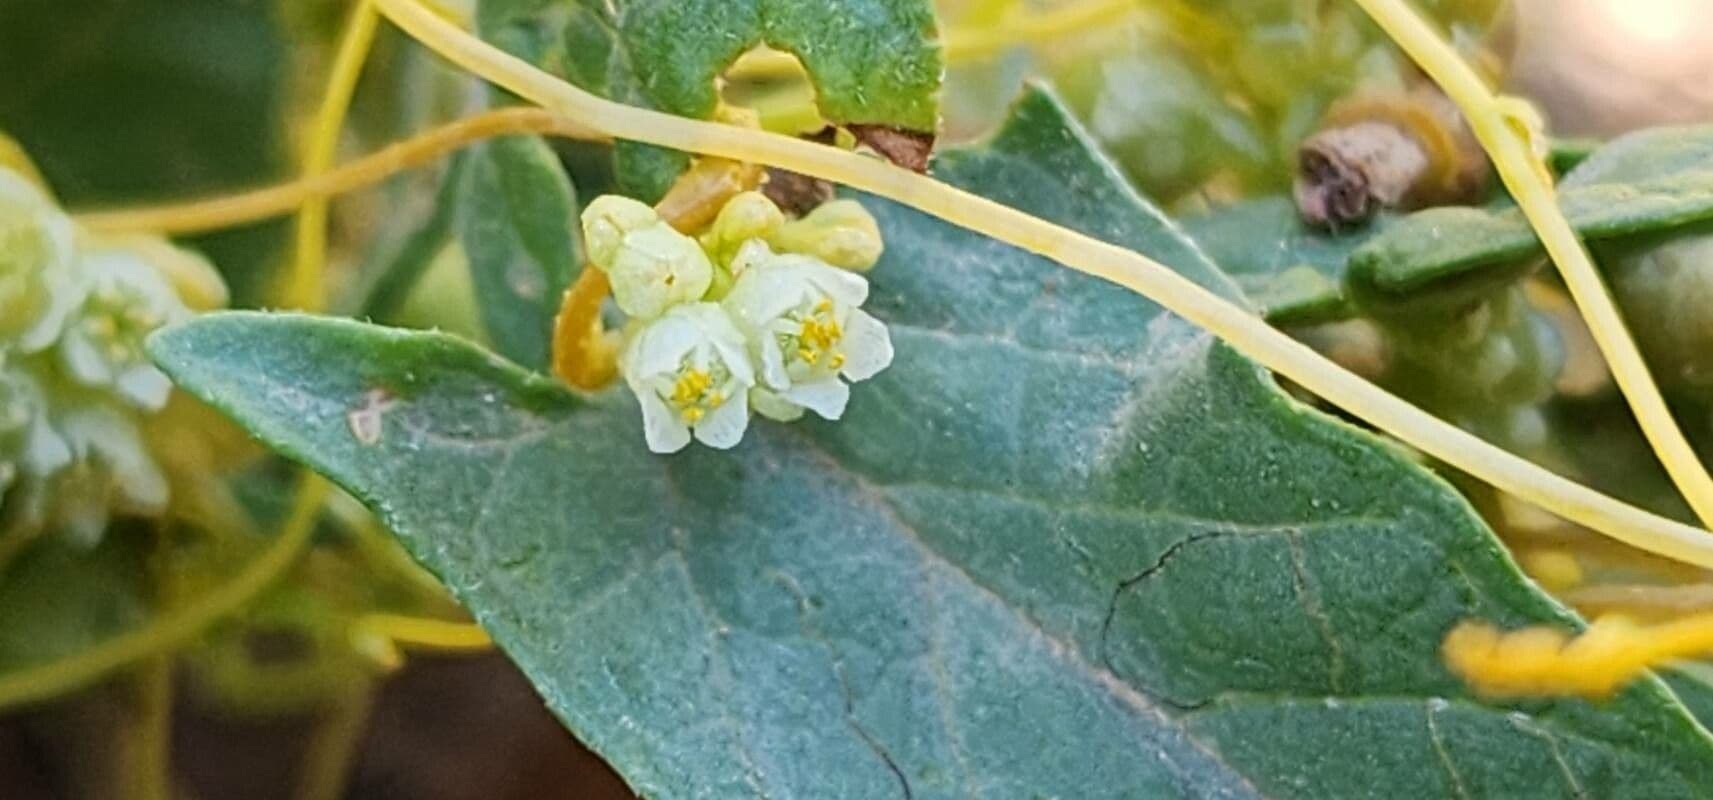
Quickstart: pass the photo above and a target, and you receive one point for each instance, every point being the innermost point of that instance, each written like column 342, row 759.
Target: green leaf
column 872, row 61
column 519, row 231
column 1293, row 273
column 132, row 101
column 1067, row 545
column 1645, row 183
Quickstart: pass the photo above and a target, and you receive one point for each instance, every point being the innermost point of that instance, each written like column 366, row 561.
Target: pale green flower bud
column 747, row 217
column 841, row 233
column 657, row 268
column 690, row 372
column 805, row 332
column 40, row 284
column 606, row 223
column 103, row 346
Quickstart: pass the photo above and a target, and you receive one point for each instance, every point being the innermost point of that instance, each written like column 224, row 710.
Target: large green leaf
column 1645, row 183
column 519, row 232
column 872, row 61
column 1067, row 545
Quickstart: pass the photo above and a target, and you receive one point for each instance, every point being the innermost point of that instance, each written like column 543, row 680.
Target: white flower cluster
column 75, row 384
column 760, row 314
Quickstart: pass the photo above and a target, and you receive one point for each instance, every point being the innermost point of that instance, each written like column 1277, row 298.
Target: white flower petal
column 83, row 359
column 724, row 427
column 763, row 293
column 661, row 346
column 663, row 430
column 827, row 397
column 44, row 451
column 750, row 254
column 773, row 363
column 844, row 287
column 145, row 386
column 867, row 346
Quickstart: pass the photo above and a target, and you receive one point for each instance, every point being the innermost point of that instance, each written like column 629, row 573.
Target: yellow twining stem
column 1032, row 27
column 1544, row 661
column 384, row 637
column 1644, row 602
column 223, row 212
column 307, row 289
column 1508, row 136
column 1246, row 333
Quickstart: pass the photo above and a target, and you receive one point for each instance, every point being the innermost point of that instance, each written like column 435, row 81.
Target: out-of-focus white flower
column 112, row 471
column 127, row 299
column 652, row 266
column 76, row 388
column 805, row 330
column 691, row 372
column 29, row 446
column 40, row 283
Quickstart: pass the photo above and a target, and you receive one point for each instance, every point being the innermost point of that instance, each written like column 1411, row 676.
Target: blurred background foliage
column 1204, row 104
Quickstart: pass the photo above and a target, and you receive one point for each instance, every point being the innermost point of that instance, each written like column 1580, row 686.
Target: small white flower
column 127, row 300
column 690, row 371
column 40, row 284
column 29, row 446
column 651, row 265
column 805, row 331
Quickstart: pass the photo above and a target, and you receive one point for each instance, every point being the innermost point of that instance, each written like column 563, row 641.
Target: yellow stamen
column 690, row 386
column 694, row 414
column 838, row 361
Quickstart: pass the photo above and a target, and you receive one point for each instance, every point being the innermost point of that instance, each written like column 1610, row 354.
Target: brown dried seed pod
column 1396, row 150
column 907, row 149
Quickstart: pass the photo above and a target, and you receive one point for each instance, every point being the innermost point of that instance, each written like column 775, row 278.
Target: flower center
column 698, row 391
column 119, row 322
column 817, row 336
